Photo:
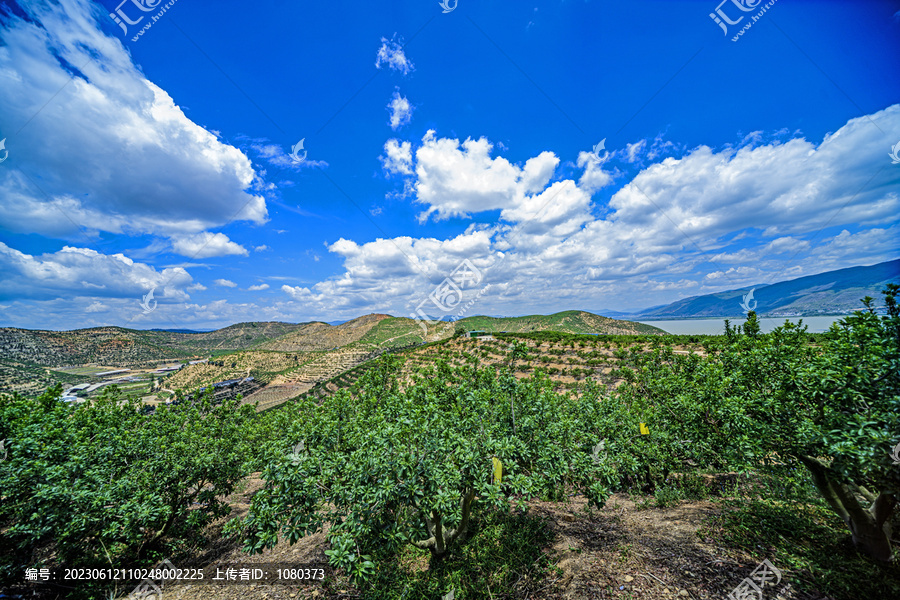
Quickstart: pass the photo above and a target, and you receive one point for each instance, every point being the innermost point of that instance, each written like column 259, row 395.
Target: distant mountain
column 831, row 293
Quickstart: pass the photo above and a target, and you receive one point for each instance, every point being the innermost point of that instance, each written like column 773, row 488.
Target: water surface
column 717, row 326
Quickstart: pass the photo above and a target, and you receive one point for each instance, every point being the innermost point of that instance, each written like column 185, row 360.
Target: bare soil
column 621, row 551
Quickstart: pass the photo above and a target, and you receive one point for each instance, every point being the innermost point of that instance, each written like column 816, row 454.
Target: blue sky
column 162, row 163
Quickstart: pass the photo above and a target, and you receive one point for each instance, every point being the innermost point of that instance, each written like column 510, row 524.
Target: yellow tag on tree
column 498, row 471
column 644, row 430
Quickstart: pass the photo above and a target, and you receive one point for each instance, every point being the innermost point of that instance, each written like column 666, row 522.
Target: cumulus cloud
column 868, row 247
column 297, row 293
column 225, row 283
column 778, row 188
column 62, row 313
column 391, row 54
column 397, row 157
column 197, row 287
column 382, row 275
column 114, row 151
column 455, row 179
column 709, row 220
column 400, row 109
column 83, row 272
column 594, row 176
column 206, row 244
column 258, row 288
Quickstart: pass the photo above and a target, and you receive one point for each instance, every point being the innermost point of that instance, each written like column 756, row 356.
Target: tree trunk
column 870, row 527
column 441, row 539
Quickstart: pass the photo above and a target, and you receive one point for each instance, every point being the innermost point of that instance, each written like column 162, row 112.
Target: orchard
column 418, row 461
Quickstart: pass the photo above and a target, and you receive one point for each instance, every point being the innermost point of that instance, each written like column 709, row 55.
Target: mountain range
column 831, row 293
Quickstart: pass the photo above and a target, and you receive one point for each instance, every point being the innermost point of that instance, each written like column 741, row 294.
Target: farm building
column 115, row 372
column 484, row 335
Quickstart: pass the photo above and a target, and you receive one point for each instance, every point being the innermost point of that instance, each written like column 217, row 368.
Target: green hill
column 399, row 331
column 570, row 321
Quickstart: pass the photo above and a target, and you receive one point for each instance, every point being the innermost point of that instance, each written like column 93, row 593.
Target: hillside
column 234, row 337
column 830, row 293
column 322, row 336
column 128, row 347
column 570, row 321
column 399, row 331
column 100, row 344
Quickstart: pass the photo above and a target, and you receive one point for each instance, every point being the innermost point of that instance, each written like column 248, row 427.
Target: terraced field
column 264, row 366
column 567, row 364
column 570, row 362
column 274, row 394
column 286, row 374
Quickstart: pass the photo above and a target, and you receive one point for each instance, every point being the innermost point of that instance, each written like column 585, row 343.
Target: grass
column 806, row 541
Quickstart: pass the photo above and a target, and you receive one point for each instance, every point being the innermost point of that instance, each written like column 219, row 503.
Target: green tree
column 840, row 417
column 386, row 467
column 776, row 401
column 103, row 484
column 751, row 325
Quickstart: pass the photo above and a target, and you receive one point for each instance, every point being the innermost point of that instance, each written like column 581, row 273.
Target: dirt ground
column 621, row 551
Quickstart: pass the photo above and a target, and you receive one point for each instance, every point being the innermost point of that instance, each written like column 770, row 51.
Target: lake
column 717, row 326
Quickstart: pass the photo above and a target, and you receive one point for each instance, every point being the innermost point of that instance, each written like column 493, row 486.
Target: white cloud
column 707, row 221
column 633, row 151
column 645, row 150
column 779, row 188
column 594, row 177
column 197, row 287
column 297, row 293
column 83, row 272
column 868, row 247
column 258, row 288
column 455, row 179
column 206, row 244
column 262, row 248
column 400, row 109
column 62, row 313
column 397, row 157
column 277, row 156
column 225, row 283
column 114, row 151
column 96, row 307
column 391, row 54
